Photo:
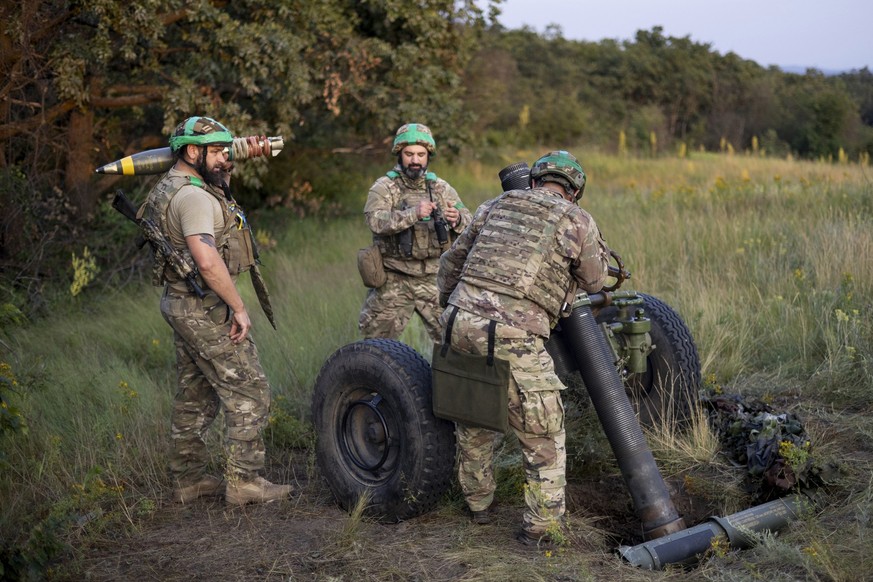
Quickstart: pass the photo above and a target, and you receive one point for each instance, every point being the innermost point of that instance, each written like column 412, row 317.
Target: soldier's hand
column 452, row 216
column 425, row 207
column 240, row 326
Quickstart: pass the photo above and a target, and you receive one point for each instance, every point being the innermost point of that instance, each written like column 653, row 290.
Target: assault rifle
column 158, row 241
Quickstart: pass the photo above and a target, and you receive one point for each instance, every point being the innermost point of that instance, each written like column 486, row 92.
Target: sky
column 831, row 36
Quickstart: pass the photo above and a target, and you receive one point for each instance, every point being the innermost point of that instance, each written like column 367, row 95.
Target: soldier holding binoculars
column 414, row 216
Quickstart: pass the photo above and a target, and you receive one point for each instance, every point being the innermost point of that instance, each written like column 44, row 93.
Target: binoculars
column 404, row 237
column 441, row 226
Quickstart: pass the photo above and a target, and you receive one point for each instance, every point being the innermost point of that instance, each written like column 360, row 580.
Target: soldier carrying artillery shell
column 216, row 358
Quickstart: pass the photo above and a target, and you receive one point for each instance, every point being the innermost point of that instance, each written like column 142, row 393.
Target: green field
column 769, row 262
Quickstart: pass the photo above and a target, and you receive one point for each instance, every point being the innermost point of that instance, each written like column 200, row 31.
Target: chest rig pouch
column 237, row 246
column 419, row 241
column 467, row 388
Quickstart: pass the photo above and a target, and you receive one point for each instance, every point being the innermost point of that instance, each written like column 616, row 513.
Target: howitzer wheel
column 667, row 392
column 377, row 435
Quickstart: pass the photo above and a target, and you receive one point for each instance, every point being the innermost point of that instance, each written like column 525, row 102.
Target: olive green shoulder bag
column 467, row 388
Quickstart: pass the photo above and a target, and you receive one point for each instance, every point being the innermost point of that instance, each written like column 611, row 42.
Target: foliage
column 84, row 271
column 84, row 511
column 752, row 271
column 258, row 67
column 286, row 431
column 11, row 419
column 92, row 81
column 817, row 115
column 859, row 85
column 676, row 88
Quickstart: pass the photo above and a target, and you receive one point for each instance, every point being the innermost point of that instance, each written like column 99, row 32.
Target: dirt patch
column 309, row 538
column 606, row 504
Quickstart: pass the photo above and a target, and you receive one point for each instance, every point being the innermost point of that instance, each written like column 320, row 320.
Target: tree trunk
column 79, row 165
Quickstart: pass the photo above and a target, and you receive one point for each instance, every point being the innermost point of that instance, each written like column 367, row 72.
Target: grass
column 768, row 261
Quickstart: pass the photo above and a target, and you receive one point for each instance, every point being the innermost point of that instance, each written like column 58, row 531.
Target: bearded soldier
column 525, row 253
column 414, row 217
column 217, row 362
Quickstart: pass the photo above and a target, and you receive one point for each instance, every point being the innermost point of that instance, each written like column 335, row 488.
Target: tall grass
column 770, row 263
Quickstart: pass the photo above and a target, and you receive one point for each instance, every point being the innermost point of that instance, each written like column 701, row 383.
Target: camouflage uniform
column 391, row 210
column 213, row 373
column 515, row 264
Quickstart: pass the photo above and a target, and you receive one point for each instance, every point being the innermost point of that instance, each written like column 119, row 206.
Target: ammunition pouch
column 371, row 268
column 425, row 244
column 237, row 249
column 470, row 389
column 404, row 242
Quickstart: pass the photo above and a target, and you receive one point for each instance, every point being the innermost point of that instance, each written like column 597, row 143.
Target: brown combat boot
column 258, row 490
column 540, row 540
column 480, row 517
column 207, row 486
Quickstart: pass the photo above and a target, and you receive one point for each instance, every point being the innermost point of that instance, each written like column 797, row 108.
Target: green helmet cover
column 200, row 131
column 562, row 167
column 414, row 134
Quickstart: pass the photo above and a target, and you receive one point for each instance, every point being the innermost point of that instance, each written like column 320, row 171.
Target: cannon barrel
column 586, row 346
column 581, row 346
column 515, row 177
column 687, row 545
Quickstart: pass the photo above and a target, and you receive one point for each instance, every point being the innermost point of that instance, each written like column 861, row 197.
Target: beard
column 414, row 171
column 211, row 177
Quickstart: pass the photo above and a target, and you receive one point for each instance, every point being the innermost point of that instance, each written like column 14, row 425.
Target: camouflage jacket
column 523, row 253
column 391, row 209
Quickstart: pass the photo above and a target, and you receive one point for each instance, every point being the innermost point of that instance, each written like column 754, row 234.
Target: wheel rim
column 367, row 436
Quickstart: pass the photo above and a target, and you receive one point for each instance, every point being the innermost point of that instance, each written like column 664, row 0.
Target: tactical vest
column 514, row 253
column 425, row 244
column 234, row 242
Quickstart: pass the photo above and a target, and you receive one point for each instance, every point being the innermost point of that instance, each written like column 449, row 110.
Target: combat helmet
column 414, row 134
column 562, row 167
column 200, row 131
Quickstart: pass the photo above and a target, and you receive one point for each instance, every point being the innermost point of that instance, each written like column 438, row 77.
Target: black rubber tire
column 376, row 432
column 668, row 391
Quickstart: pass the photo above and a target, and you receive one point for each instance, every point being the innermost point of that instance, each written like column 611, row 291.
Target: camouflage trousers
column 536, row 415
column 214, row 375
column 388, row 309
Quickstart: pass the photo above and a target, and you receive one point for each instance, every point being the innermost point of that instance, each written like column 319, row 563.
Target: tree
column 742, row 102
column 86, row 80
column 860, row 86
column 816, row 116
column 676, row 74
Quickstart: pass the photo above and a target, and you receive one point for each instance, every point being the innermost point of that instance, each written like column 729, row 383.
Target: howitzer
column 159, row 243
column 378, row 437
column 631, row 351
